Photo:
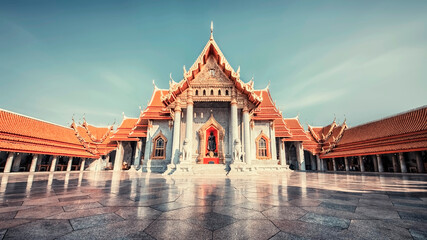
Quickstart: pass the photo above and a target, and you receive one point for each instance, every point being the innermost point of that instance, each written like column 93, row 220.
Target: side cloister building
column 212, row 119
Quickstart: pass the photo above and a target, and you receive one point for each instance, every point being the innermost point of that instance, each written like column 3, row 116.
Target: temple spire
column 211, row 30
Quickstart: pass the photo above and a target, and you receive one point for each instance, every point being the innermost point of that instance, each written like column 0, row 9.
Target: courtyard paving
column 299, row 205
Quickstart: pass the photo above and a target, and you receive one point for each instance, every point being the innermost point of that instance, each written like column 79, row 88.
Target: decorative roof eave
column 315, row 136
column 177, row 88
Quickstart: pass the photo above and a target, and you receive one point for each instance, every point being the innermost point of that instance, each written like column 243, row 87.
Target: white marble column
column 70, row 163
column 300, row 156
column 82, row 164
column 402, row 162
column 334, row 164
column 34, row 163
column 53, row 164
column 319, row 163
column 137, row 157
column 176, row 131
column 394, row 160
column 313, row 163
column 9, row 162
column 418, row 158
column 282, row 152
column 361, row 165
column 380, row 163
column 246, row 133
column 16, row 162
column 347, row 166
column 374, row 160
column 233, row 124
column 189, row 123
column 118, row 161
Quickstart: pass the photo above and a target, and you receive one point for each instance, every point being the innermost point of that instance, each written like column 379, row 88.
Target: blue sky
column 360, row 59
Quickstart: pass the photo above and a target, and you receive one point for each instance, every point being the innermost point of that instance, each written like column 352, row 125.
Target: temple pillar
column 70, row 163
column 313, row 163
column 374, row 160
column 247, row 144
column 34, row 162
column 189, row 123
column 9, row 161
column 53, row 164
column 82, row 164
column 300, row 156
column 347, row 166
column 17, row 163
column 176, row 130
column 380, row 163
column 233, row 124
column 137, row 157
column 419, row 159
column 394, row 160
column 334, row 164
column 361, row 165
column 319, row 163
column 402, row 163
column 282, row 153
column 118, row 161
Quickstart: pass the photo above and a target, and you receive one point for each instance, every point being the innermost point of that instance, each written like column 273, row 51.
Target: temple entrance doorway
column 211, row 137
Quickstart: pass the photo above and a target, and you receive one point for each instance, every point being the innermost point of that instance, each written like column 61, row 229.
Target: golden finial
column 211, row 29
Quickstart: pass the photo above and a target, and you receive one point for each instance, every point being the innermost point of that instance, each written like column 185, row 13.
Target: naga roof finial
column 211, row 30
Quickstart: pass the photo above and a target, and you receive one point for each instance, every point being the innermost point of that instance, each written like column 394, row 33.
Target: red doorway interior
column 208, row 159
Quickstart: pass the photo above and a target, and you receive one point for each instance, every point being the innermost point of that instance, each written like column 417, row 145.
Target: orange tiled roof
column 403, row 132
column 297, row 131
column 267, row 111
column 20, row 133
column 123, row 131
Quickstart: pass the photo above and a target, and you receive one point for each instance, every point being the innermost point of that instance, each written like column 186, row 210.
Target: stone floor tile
column 304, row 202
column 339, row 207
column 418, row 235
column 138, row 213
column 288, row 213
column 75, row 198
column 96, row 220
column 325, row 220
column 366, row 202
column 83, row 213
column 287, row 236
column 238, row 213
column 40, row 229
column 14, row 208
column 39, row 212
column 254, row 206
column 247, row 229
column 377, row 229
column 309, row 230
column 186, row 213
column 414, row 216
column 377, row 213
column 212, row 220
column 131, row 229
column 175, row 229
column 165, row 207
column 2, row 233
column 7, row 215
column 74, row 207
column 8, row 223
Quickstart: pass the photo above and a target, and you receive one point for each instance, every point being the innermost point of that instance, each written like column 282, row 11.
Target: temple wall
column 157, row 165
column 221, row 115
column 263, row 126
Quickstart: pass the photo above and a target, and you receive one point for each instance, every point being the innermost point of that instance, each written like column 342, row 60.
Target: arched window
column 211, row 92
column 204, row 92
column 197, row 92
column 219, row 92
column 159, row 146
column 226, row 92
column 262, row 147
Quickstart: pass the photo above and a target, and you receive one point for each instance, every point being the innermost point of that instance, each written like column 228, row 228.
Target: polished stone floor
column 297, row 205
